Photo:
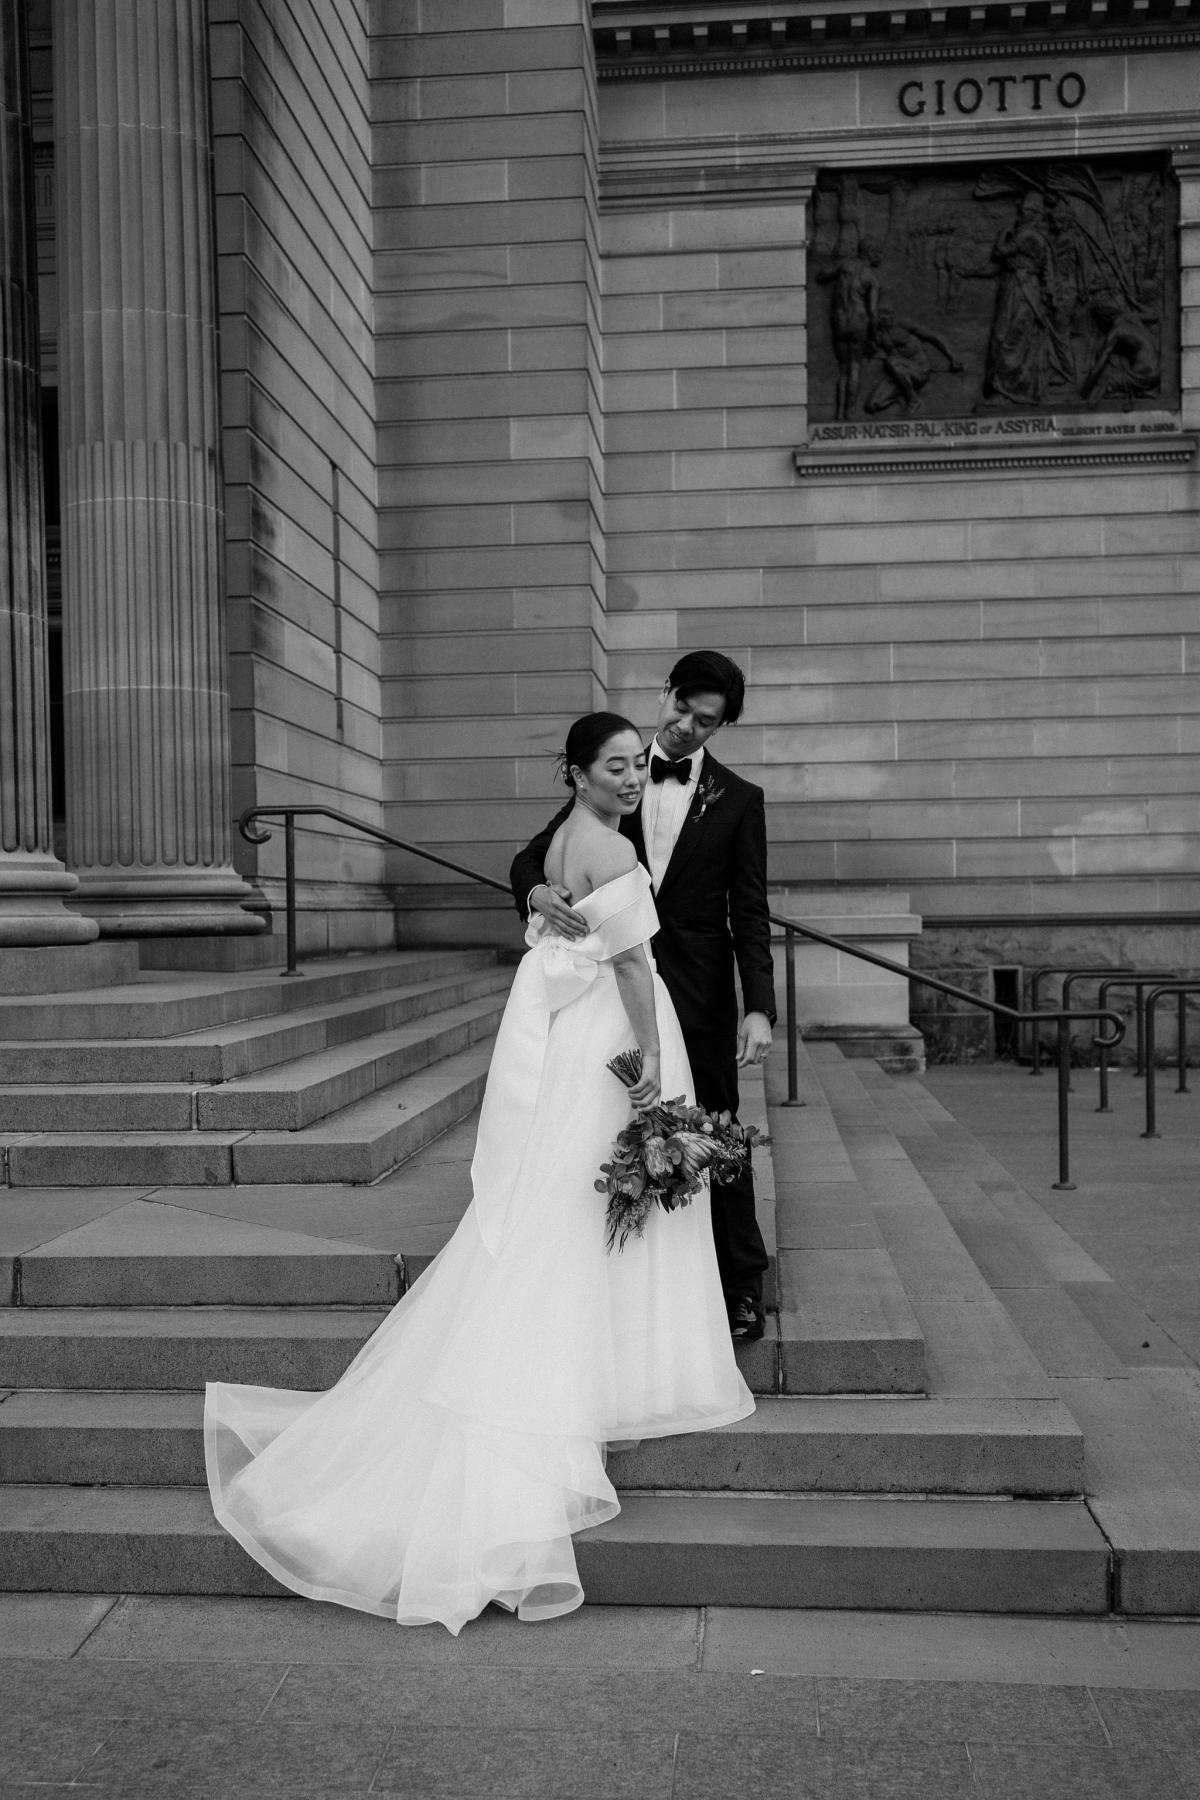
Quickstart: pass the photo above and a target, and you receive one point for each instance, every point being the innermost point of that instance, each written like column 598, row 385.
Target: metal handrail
column 1147, row 978
column 790, row 927
column 1071, row 974
column 289, row 815
column 1181, row 987
column 1064, row 1019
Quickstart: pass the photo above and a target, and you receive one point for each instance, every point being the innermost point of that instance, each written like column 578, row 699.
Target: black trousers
column 741, row 1253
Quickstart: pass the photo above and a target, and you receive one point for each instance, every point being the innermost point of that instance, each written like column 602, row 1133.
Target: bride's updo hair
column 586, row 739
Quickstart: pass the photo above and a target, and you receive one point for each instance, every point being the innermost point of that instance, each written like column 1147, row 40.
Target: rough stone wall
column 970, row 956
column 490, row 415
column 292, row 160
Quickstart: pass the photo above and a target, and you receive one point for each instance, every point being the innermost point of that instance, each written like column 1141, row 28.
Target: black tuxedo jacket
column 712, row 905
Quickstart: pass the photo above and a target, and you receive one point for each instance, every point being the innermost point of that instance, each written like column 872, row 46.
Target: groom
column 701, row 832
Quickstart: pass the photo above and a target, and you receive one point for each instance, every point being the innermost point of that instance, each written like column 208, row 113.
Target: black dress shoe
column 745, row 1319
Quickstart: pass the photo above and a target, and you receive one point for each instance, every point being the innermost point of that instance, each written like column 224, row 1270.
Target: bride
column 465, row 1444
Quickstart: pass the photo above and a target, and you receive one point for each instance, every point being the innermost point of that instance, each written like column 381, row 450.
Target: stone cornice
column 819, row 462
column 677, row 38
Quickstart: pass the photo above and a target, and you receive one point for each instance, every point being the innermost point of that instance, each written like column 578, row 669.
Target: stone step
column 356, row 1145
column 166, row 1004
column 248, row 1046
column 268, row 950
column 113, row 1439
column 880, row 1555
column 163, row 1348
column 177, row 1348
column 298, row 1094
column 896, row 1555
column 846, row 1326
column 868, row 1444
column 67, row 968
column 285, row 1098
column 151, row 1254
column 364, row 1141
column 845, row 1321
column 878, row 1196
column 154, row 1439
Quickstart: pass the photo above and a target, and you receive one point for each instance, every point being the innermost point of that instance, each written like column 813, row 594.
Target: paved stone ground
column 248, row 1698
column 1136, row 1204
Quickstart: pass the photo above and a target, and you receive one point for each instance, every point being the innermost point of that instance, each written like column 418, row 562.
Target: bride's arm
column 610, row 856
column 635, row 984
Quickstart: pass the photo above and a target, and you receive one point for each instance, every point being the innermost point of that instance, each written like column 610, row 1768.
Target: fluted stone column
column 33, row 882
column 146, row 699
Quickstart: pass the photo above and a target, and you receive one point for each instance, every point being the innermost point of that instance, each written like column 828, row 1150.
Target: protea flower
column 695, row 1150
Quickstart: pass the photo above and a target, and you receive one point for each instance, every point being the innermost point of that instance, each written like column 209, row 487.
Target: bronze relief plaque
column 994, row 290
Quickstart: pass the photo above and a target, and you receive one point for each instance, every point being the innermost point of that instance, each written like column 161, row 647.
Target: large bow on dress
column 555, row 972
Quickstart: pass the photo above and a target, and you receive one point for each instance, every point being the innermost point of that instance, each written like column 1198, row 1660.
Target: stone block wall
column 979, row 684
column 490, row 416
column 290, row 90
column 704, row 386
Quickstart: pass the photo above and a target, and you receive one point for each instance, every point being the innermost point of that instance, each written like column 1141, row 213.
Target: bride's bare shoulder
column 589, row 856
column 607, row 857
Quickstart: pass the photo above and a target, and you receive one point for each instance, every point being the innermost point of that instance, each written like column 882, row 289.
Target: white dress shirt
column 665, row 806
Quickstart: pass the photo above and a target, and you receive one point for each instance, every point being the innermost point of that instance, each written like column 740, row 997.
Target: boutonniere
column 707, row 794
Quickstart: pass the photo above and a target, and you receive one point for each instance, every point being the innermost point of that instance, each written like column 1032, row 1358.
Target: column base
column 33, row 913
column 200, row 904
column 67, row 968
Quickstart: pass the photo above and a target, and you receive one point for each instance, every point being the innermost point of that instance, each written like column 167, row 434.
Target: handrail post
column 1068, row 988
column 1151, row 1130
column 289, row 877
column 1181, row 1086
column 1035, row 1043
column 1139, row 1057
column 792, row 1054
column 1064, row 1182
column 1102, row 993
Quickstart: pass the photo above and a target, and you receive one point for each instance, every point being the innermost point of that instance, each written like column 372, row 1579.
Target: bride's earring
column 581, row 795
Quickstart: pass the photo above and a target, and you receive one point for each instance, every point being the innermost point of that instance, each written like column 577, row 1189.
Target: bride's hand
column 648, row 1091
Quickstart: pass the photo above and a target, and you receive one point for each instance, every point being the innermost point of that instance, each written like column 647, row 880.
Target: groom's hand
column 754, row 1039
column 553, row 902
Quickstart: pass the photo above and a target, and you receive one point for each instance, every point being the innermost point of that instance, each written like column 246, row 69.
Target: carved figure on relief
column 951, row 292
column 1028, row 355
column 854, row 306
column 906, row 365
column 1126, row 365
column 1103, row 264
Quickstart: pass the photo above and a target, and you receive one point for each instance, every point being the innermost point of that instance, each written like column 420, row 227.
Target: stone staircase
column 215, row 1078
column 908, row 1450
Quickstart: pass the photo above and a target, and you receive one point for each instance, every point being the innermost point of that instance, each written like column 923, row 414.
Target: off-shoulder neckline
column 637, row 869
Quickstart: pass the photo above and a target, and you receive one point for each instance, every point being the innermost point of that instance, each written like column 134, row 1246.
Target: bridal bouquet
column 663, row 1154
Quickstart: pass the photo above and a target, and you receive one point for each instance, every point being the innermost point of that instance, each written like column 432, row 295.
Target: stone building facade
column 425, row 372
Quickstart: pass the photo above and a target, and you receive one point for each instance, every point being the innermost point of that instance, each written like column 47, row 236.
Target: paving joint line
column 391, row 1738
column 1100, row 1716
column 104, row 1617
column 1113, row 1583
column 274, row 1695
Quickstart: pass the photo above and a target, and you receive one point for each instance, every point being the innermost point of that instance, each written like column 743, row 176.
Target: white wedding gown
column 465, row 1444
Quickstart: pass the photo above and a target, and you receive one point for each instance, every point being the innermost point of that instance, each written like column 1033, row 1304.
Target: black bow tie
column 671, row 771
